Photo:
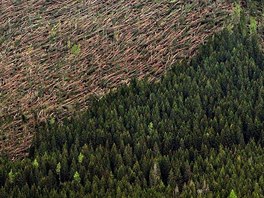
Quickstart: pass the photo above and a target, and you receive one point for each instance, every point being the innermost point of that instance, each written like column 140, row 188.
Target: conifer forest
column 142, row 98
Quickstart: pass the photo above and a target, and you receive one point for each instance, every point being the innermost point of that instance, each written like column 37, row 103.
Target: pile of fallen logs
column 55, row 54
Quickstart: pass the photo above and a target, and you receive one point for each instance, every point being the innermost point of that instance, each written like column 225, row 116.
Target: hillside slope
column 55, row 54
column 196, row 133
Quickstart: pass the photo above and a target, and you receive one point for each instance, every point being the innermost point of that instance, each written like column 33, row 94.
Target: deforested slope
column 55, row 54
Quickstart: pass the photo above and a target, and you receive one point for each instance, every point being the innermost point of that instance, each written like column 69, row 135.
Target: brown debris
column 42, row 75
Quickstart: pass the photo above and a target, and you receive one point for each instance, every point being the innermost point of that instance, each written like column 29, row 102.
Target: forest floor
column 55, row 55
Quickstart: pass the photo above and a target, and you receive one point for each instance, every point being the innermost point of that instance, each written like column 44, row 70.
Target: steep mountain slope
column 196, row 133
column 55, row 54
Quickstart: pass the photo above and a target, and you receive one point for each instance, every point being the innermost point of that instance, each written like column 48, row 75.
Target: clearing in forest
column 55, row 54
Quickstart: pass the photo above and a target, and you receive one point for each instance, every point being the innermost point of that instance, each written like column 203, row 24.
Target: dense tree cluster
column 196, row 133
